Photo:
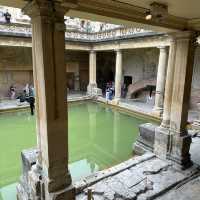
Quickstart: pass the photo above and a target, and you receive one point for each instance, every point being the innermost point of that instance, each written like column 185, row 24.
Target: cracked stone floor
column 146, row 178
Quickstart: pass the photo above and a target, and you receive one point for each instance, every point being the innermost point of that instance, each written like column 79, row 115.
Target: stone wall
column 15, row 69
column 77, row 62
column 141, row 64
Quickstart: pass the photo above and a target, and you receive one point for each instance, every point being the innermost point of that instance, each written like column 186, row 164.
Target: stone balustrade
column 114, row 34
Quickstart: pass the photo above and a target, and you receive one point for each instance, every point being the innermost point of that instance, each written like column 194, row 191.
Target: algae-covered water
column 99, row 137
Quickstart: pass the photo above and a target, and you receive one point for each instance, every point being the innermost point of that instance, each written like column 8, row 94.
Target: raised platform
column 140, row 178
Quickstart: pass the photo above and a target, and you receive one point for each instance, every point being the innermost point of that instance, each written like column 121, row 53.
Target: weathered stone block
column 28, row 159
column 145, row 141
column 162, row 139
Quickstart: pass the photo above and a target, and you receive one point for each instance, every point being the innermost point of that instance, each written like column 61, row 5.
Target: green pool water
column 99, row 137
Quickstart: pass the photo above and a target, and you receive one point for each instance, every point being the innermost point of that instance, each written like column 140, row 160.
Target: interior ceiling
column 180, row 8
column 100, row 18
column 188, row 9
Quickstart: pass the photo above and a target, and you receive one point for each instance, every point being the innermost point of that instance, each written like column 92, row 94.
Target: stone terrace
column 141, row 178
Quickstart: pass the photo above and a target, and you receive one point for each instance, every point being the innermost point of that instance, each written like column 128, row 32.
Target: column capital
column 118, row 50
column 181, row 35
column 92, row 51
column 46, row 9
column 162, row 48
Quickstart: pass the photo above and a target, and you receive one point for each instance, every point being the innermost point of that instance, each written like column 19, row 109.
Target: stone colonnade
column 92, row 88
column 50, row 177
column 160, row 85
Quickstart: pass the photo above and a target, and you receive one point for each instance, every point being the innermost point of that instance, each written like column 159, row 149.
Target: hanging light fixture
column 148, row 15
column 157, row 11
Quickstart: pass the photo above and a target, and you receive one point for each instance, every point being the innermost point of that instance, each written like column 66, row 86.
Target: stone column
column 162, row 133
column 92, row 73
column 160, row 84
column 180, row 141
column 52, row 179
column 118, row 75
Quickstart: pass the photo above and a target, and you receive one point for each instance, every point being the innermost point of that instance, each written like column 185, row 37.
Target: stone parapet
column 145, row 141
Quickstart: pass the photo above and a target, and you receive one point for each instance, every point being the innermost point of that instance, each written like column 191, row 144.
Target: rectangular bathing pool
column 99, row 137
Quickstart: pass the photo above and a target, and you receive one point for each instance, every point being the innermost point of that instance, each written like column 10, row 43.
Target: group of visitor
column 28, row 95
column 110, row 90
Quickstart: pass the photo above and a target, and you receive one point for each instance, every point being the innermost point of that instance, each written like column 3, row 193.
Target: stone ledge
column 146, row 180
column 98, row 176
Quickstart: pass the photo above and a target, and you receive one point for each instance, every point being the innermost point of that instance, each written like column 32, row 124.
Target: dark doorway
column 105, row 69
column 70, row 80
column 84, row 79
column 127, row 81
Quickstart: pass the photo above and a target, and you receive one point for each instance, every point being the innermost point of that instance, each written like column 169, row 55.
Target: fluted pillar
column 118, row 75
column 92, row 72
column 160, row 84
column 162, row 133
column 50, row 178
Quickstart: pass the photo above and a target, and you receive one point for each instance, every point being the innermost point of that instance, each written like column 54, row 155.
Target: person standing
column 12, row 92
column 7, row 16
column 32, row 99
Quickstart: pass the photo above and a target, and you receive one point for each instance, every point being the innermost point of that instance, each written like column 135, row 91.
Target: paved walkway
column 148, row 108
column 138, row 106
column 144, row 177
column 188, row 191
column 15, row 104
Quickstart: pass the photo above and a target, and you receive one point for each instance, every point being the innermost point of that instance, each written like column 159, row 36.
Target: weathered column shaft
column 118, row 74
column 48, row 38
column 160, row 84
column 169, row 85
column 92, row 87
column 162, row 137
column 92, row 67
column 180, row 140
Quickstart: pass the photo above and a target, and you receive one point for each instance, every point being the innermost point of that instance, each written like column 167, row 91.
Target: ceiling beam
column 119, row 10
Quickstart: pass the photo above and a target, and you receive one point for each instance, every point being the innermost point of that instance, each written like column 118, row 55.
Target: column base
column 115, row 101
column 93, row 90
column 32, row 184
column 157, row 112
column 162, row 140
column 145, row 141
column 179, row 151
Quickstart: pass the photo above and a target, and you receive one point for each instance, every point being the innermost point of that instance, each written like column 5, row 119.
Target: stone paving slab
column 187, row 191
column 98, row 176
column 143, row 181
